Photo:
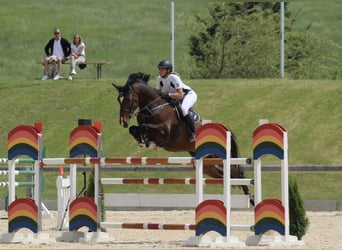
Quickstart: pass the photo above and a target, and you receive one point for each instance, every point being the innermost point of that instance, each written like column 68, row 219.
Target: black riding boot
column 188, row 120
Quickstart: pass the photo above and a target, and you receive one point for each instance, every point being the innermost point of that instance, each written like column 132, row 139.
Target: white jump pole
column 226, row 185
column 285, row 187
column 172, row 34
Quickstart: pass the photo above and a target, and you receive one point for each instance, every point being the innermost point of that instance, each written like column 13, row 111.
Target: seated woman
column 77, row 54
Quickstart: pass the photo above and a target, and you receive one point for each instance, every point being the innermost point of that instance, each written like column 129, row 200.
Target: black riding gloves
column 165, row 96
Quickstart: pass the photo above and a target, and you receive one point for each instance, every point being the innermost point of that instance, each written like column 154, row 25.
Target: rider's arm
column 179, row 94
column 177, row 83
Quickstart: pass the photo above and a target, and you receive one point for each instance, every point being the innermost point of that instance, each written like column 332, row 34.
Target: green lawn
column 309, row 110
column 134, row 35
column 321, row 17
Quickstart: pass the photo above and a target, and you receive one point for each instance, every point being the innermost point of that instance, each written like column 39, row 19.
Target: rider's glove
column 165, row 96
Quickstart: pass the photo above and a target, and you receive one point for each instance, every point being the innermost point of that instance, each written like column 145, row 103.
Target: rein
column 148, row 108
column 151, row 110
column 150, row 113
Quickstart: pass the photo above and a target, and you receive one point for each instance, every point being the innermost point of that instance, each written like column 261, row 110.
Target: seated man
column 57, row 49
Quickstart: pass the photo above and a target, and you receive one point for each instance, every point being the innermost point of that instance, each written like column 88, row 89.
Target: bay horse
column 159, row 123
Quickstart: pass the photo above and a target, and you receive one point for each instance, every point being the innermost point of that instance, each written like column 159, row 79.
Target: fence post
column 63, row 198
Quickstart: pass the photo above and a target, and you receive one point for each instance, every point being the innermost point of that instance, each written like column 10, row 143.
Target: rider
column 170, row 86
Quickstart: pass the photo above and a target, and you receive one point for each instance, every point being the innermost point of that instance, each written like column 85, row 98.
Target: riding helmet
column 165, row 64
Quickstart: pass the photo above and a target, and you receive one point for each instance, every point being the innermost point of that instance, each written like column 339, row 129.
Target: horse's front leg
column 152, row 134
column 135, row 132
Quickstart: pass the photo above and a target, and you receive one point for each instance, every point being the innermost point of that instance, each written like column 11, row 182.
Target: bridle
column 133, row 104
column 146, row 111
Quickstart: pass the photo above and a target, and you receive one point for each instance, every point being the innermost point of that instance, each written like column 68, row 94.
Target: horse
column 160, row 123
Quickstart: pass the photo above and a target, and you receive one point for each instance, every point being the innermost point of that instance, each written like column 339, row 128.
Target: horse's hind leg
column 237, row 172
column 216, row 171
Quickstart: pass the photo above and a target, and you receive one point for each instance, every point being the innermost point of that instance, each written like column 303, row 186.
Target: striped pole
column 148, row 226
column 18, row 160
column 162, row 226
column 130, row 161
column 140, row 161
column 17, row 172
column 17, row 184
column 163, row 181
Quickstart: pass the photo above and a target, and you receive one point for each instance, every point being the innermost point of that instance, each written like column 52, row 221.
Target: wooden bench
column 98, row 66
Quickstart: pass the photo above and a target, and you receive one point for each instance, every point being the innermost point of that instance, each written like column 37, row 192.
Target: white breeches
column 189, row 100
column 74, row 62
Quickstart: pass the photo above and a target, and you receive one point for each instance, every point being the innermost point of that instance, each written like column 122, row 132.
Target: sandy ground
column 325, row 232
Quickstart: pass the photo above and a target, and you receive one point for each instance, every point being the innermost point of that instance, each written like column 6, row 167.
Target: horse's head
column 128, row 98
column 128, row 103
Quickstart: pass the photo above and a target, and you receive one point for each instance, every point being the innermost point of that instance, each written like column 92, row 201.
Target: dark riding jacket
column 65, row 46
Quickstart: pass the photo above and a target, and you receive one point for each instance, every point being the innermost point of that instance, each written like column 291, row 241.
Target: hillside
column 309, row 110
column 133, row 35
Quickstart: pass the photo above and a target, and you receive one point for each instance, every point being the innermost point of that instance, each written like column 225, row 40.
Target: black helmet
column 165, row 64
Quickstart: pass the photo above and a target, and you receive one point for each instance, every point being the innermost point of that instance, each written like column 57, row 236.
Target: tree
column 310, row 56
column 241, row 40
column 298, row 220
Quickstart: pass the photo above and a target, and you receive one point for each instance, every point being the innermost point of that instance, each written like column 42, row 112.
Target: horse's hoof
column 152, row 145
column 142, row 145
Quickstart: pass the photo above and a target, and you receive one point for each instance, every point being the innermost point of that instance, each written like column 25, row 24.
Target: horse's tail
column 236, row 170
column 234, row 149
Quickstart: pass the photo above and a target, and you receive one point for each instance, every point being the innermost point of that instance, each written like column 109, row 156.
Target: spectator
column 77, row 54
column 57, row 49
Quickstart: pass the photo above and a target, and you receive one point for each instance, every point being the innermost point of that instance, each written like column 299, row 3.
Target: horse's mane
column 141, row 80
column 138, row 77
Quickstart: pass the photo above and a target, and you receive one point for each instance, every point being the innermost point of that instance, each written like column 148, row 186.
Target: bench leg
column 99, row 71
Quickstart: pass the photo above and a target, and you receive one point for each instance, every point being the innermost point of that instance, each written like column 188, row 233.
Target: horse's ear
column 115, row 86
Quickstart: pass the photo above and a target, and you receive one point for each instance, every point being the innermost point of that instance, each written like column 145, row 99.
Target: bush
column 311, row 57
column 236, row 42
column 241, row 40
column 298, row 220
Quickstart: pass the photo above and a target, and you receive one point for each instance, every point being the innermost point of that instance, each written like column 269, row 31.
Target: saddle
column 176, row 104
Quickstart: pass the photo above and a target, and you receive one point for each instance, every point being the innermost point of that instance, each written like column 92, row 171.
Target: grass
column 325, row 22
column 134, row 35
column 309, row 110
